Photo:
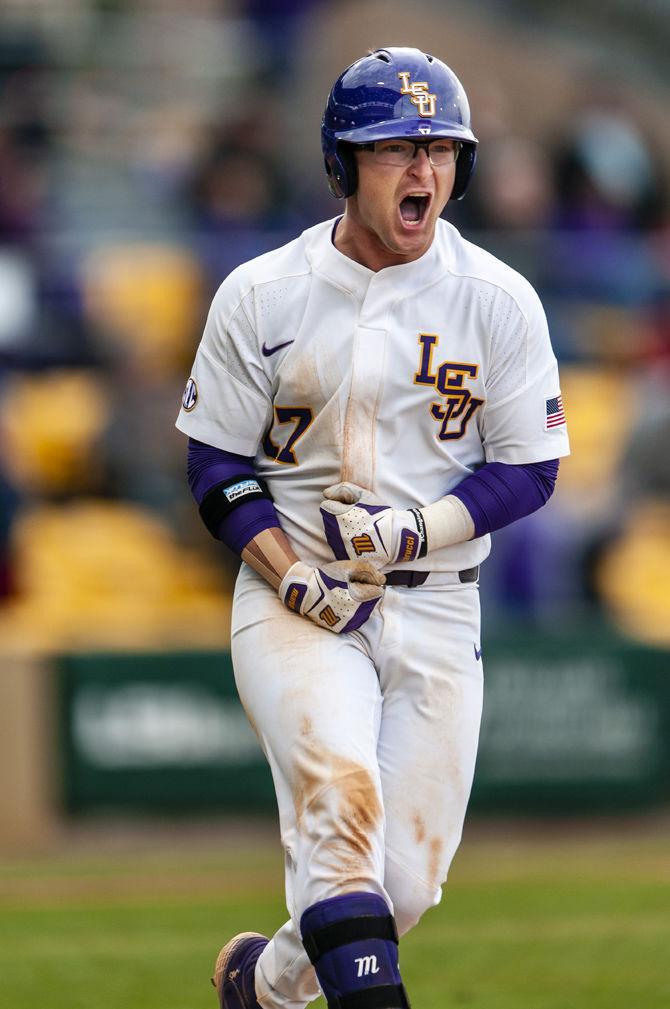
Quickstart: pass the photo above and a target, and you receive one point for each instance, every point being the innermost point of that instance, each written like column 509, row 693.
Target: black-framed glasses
column 400, row 153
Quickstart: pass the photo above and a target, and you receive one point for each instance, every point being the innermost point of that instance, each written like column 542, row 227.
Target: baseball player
column 368, row 403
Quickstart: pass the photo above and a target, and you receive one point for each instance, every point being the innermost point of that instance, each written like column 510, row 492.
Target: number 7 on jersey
column 302, row 417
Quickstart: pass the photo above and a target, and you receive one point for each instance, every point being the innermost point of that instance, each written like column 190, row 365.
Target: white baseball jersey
column 403, row 381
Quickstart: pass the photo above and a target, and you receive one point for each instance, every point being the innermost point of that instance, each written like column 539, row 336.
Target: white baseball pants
column 372, row 739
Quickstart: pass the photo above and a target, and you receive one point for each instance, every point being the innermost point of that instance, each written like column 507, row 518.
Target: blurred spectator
column 278, row 25
column 511, row 204
column 9, row 506
column 19, row 302
column 645, row 469
column 237, row 186
column 604, row 279
column 22, row 190
column 513, row 187
column 239, row 202
column 25, row 135
column 144, row 300
column 606, row 172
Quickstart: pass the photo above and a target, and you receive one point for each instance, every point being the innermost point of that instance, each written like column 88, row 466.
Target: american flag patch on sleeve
column 555, row 414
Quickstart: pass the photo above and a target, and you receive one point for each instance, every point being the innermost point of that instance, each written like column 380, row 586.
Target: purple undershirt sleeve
column 499, row 493
column 208, row 466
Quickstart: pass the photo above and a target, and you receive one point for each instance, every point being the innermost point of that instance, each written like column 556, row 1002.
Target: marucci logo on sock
column 366, row 965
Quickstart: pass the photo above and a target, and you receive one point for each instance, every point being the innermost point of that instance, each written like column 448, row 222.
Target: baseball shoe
column 234, row 971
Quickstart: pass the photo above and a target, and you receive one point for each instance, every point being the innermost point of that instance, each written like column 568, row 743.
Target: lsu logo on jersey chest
column 450, row 379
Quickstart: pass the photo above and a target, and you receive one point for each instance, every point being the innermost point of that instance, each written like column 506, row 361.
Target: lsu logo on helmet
column 419, row 94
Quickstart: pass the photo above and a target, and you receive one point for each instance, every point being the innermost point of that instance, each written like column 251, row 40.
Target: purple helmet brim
column 419, row 129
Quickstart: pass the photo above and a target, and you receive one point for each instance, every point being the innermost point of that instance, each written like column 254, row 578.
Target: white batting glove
column 340, row 596
column 358, row 524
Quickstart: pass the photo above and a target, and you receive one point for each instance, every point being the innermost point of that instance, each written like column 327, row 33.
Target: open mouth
column 413, row 208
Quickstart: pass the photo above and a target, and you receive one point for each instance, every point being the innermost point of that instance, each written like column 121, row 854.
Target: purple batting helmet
column 395, row 92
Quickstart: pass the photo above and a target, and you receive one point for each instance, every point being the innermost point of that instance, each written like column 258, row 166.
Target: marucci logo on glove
column 295, row 596
column 328, row 616
column 363, row 544
column 409, row 546
column 356, row 522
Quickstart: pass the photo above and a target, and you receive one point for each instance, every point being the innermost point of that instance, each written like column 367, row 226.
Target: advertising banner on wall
column 568, row 725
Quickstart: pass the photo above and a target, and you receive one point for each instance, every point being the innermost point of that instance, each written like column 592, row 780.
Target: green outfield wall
column 572, row 724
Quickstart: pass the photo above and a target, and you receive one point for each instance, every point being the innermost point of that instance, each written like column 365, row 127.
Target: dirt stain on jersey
column 306, row 727
column 419, row 828
column 435, row 855
column 300, row 380
column 341, row 795
column 309, row 779
column 359, row 437
column 352, row 871
column 360, row 809
column 358, row 453
column 359, row 815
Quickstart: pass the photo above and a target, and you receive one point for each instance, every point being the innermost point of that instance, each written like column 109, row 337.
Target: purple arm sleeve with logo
column 498, row 493
column 208, row 466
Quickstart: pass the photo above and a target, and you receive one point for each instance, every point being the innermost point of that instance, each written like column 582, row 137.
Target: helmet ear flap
column 341, row 172
column 465, row 166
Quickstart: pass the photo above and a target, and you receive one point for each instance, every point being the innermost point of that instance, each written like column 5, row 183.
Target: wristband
column 421, row 527
column 448, row 521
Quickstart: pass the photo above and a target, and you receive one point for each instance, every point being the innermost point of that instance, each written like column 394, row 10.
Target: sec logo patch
column 190, row 397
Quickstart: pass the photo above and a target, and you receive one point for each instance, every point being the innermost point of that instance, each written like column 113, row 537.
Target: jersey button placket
column 365, row 390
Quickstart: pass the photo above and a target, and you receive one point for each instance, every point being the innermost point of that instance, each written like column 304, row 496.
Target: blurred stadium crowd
column 144, row 153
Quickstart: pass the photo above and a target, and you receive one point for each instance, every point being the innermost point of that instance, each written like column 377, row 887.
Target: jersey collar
column 404, row 279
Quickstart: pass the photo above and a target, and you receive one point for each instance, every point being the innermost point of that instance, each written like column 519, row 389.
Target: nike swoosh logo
column 478, row 653
column 269, row 351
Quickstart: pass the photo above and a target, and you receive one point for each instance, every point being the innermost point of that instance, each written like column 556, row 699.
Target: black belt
column 410, row 579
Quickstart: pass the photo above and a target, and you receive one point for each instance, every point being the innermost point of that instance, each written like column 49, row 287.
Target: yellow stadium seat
column 632, row 576
column 600, row 406
column 147, row 299
column 103, row 574
column 50, row 425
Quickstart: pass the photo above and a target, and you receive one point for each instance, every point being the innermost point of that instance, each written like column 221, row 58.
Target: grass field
column 546, row 917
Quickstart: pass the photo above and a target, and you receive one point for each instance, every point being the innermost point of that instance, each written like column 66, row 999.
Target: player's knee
column 408, row 912
column 352, row 943
column 411, row 896
column 410, row 906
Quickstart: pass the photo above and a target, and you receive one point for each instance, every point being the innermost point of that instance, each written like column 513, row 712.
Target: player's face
column 392, row 215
